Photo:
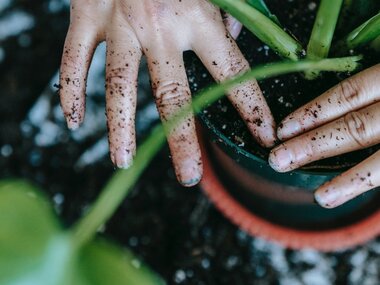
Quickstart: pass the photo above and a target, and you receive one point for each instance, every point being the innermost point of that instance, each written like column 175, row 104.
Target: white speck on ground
column 6, row 150
column 180, row 276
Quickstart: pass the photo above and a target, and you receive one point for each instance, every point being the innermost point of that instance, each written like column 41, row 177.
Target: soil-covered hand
column 344, row 119
column 161, row 30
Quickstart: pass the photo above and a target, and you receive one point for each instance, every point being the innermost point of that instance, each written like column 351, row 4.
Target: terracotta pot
column 281, row 208
column 277, row 206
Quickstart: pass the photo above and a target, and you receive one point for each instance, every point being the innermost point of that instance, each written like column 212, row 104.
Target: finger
column 223, row 59
column 233, row 26
column 354, row 131
column 80, row 44
column 170, row 86
column 351, row 94
column 359, row 179
column 123, row 59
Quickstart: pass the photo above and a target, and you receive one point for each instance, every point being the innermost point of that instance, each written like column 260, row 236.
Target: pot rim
column 339, row 238
column 230, row 144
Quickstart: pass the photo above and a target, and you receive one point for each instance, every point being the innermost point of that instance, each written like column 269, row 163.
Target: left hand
column 343, row 119
column 162, row 31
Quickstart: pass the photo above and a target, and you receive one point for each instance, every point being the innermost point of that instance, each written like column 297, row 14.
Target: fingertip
column 189, row 172
column 280, row 159
column 288, row 129
column 328, row 197
column 235, row 29
column 265, row 134
column 72, row 124
column 191, row 182
column 122, row 158
column 270, row 140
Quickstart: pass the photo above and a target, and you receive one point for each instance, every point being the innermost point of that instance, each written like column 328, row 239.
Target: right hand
column 344, row 119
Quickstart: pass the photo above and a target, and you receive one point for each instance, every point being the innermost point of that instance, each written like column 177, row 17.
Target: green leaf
column 376, row 44
column 355, row 12
column 32, row 247
column 263, row 28
column 101, row 263
column 323, row 31
column 34, row 250
column 365, row 33
column 263, row 8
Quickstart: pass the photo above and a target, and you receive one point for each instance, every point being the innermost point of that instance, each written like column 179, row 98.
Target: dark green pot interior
column 283, row 94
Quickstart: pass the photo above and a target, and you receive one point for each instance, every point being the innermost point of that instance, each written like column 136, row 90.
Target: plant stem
column 123, row 180
column 117, row 188
column 263, row 8
column 262, row 27
column 323, row 31
column 365, row 33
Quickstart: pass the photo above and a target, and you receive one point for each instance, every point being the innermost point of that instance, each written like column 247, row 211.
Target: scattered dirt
column 285, row 93
column 175, row 230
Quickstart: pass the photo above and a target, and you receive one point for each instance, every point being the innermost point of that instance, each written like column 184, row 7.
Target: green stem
column 117, row 188
column 365, row 33
column 323, row 31
column 123, row 180
column 263, row 8
column 263, row 28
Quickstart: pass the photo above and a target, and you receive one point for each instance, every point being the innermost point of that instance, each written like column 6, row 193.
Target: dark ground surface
column 175, row 230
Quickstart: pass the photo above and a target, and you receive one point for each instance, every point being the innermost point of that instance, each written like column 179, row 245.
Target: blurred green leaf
column 376, row 44
column 27, row 226
column 34, row 250
column 102, row 263
column 263, row 8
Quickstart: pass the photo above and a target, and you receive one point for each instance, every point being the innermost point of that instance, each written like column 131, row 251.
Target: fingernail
column 190, row 172
column 280, row 159
column 235, row 29
column 122, row 159
column 191, row 182
column 71, row 124
column 288, row 129
column 328, row 198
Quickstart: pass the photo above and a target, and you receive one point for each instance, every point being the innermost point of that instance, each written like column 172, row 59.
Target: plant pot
column 279, row 206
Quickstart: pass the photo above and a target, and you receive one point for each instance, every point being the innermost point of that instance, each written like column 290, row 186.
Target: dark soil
column 285, row 93
column 175, row 230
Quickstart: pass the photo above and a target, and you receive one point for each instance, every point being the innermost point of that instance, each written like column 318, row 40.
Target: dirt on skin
column 284, row 94
column 177, row 231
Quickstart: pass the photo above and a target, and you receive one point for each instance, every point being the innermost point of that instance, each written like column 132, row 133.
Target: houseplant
column 37, row 250
column 53, row 168
column 279, row 198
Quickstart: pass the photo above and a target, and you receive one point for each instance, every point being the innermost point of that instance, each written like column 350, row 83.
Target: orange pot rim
column 323, row 240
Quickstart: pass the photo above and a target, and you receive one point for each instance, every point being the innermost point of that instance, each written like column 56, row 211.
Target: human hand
column 160, row 30
column 343, row 119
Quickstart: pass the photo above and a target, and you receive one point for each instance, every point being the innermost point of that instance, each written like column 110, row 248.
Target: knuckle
column 310, row 150
column 232, row 67
column 349, row 93
column 120, row 80
column 172, row 93
column 358, row 128
column 116, row 76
